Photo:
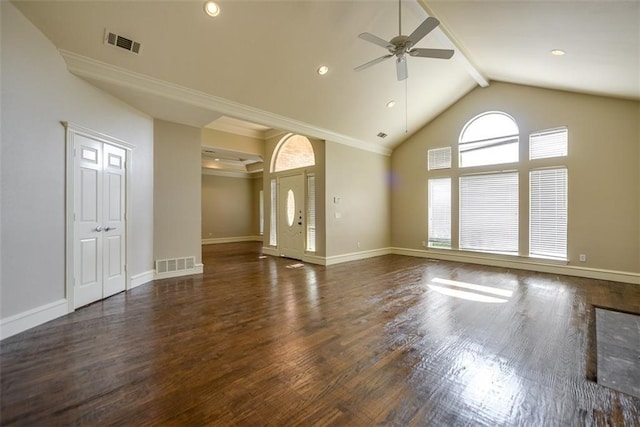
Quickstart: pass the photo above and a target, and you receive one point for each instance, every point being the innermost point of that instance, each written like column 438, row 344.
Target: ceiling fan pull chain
column 406, row 107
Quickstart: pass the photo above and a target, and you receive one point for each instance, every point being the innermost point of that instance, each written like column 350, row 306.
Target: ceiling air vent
column 118, row 41
column 382, row 135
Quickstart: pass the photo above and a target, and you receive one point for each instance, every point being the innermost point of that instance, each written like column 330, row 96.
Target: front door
column 291, row 216
column 99, row 246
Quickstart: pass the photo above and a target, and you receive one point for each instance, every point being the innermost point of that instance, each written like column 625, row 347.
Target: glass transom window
column 294, row 152
column 489, row 139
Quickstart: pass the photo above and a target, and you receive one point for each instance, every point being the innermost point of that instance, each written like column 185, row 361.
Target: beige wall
column 603, row 164
column 37, row 94
column 256, row 187
column 177, row 181
column 229, row 141
column 230, row 206
column 360, row 180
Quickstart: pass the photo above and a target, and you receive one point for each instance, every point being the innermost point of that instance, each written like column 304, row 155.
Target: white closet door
column 113, row 219
column 99, row 224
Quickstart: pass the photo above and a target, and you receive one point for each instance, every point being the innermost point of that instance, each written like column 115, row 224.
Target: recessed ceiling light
column 217, row 160
column 211, row 8
column 391, row 104
column 323, row 69
column 558, row 52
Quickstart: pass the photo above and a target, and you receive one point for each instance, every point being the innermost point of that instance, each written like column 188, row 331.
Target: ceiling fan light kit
column 402, row 45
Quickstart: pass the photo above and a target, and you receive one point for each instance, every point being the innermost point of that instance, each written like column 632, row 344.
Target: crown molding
column 89, row 68
column 238, row 130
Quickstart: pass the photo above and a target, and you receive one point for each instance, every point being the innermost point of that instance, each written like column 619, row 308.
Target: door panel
column 88, row 283
column 291, row 216
column 113, row 253
column 88, row 249
column 89, row 191
column 114, row 204
column 114, row 191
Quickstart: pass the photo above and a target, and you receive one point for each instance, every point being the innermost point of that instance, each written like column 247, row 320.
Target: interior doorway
column 97, row 177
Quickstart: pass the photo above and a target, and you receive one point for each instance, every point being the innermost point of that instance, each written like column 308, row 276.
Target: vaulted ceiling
column 257, row 60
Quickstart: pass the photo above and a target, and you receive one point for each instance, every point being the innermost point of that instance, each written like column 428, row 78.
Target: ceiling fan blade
column 401, row 68
column 376, row 40
column 432, row 53
column 423, row 29
column 370, row 63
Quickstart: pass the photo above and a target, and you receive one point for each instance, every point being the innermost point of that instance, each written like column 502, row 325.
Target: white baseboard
column 314, row 259
column 141, row 279
column 198, row 269
column 217, row 240
column 270, row 251
column 355, row 256
column 31, row 318
column 524, row 264
column 336, row 259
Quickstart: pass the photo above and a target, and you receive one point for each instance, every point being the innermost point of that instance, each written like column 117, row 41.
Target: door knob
column 99, row 228
column 107, row 228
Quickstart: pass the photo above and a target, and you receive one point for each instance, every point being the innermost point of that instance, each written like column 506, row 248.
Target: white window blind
column 273, row 239
column 261, row 225
column 489, row 212
column 439, row 158
column 489, row 152
column 548, row 213
column 548, row 143
column 311, row 213
column 439, row 213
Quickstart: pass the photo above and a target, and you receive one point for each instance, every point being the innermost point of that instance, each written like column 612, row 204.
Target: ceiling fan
column 401, row 45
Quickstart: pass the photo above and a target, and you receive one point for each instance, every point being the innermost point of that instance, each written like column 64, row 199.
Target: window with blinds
column 439, row 158
column 548, row 213
column 489, row 212
column 311, row 213
column 439, row 225
column 273, row 236
column 489, row 139
column 548, row 143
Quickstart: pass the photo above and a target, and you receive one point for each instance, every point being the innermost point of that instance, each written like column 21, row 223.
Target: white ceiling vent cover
column 115, row 40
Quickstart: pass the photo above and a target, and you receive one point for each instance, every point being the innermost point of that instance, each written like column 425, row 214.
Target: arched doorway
column 293, row 207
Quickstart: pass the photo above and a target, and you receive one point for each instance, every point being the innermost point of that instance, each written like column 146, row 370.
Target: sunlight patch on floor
column 472, row 296
column 473, row 292
column 486, row 289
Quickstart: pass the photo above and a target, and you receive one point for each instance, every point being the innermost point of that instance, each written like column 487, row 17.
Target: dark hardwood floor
column 379, row 341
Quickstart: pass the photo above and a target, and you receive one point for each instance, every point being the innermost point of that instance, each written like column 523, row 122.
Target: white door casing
column 97, row 200
column 291, row 216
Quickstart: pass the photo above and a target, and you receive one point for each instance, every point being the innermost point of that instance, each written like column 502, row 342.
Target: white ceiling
column 257, row 60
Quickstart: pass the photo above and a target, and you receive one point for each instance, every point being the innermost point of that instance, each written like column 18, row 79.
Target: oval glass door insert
column 291, row 208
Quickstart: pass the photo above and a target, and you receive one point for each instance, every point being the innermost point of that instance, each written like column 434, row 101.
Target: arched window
column 490, row 138
column 293, row 152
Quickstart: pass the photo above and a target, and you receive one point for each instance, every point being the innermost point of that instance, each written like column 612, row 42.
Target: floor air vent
column 119, row 41
column 175, row 264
